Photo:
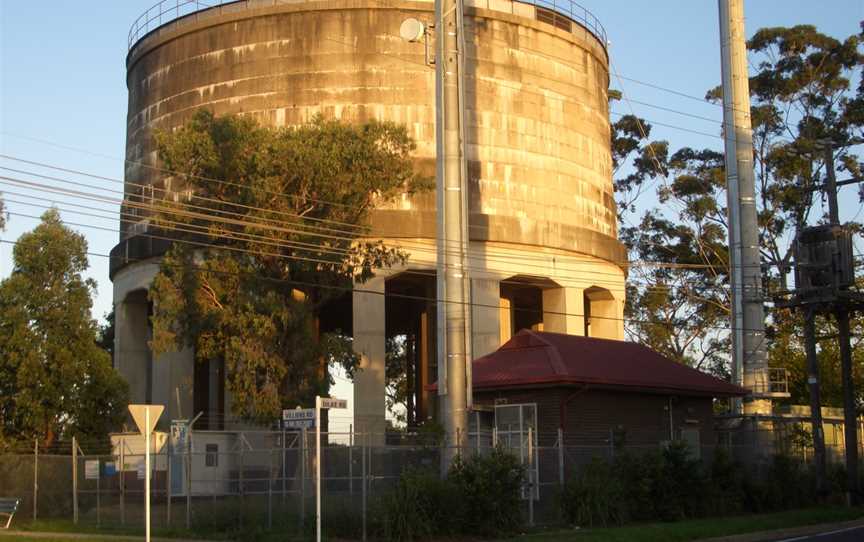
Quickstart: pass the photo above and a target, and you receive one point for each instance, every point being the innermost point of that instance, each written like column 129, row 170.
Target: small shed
column 597, row 392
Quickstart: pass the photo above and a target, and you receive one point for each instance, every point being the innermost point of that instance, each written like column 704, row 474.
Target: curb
column 808, row 530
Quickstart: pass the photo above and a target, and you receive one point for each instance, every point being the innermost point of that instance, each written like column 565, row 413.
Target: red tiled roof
column 532, row 359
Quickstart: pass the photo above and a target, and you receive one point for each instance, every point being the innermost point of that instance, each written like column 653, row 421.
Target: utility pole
column 749, row 366
column 841, row 312
column 815, row 398
column 453, row 286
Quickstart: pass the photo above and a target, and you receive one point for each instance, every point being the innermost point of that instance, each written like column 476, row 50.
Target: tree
column 105, row 334
column 55, row 382
column 2, row 215
column 802, row 105
column 283, row 233
column 787, row 350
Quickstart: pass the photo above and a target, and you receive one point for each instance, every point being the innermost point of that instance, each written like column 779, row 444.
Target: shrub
column 638, row 473
column 679, row 492
column 726, row 493
column 490, row 488
column 596, row 496
column 421, row 506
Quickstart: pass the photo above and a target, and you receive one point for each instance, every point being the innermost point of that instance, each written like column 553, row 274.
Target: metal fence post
column 269, row 489
column 75, row 480
column 98, row 492
column 168, row 473
column 530, row 476
column 35, row 476
column 242, row 466
column 284, row 462
column 561, row 457
column 363, row 486
column 302, row 478
column 122, row 480
column 189, row 477
column 350, row 460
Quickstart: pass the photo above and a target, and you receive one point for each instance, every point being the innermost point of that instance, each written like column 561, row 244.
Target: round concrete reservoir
column 542, row 210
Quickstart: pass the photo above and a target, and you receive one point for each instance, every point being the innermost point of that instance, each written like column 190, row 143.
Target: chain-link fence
column 225, row 481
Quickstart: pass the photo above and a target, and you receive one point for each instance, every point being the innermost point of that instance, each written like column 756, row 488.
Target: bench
column 8, row 507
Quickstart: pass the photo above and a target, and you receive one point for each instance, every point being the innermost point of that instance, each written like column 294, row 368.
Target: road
column 849, row 534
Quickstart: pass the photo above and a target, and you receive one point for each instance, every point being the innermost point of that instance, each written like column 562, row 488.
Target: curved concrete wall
column 537, row 127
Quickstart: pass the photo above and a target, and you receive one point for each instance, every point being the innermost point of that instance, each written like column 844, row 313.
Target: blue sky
column 62, row 80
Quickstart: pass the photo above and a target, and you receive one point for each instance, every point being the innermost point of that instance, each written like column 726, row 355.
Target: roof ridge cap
column 554, row 357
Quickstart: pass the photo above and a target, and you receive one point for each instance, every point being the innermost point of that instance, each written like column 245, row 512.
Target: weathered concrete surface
column 538, row 128
column 538, row 140
column 369, row 343
column 160, row 380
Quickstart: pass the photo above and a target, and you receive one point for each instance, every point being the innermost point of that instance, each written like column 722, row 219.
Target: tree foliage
column 274, row 246
column 55, row 381
column 802, row 103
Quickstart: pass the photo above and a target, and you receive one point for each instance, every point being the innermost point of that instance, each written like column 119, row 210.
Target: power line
column 308, row 284
column 311, row 254
column 645, row 286
column 310, row 230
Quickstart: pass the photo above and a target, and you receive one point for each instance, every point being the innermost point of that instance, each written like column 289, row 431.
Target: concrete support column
column 369, row 343
column 172, row 379
column 505, row 319
column 607, row 319
column 563, row 311
column 131, row 352
column 485, row 316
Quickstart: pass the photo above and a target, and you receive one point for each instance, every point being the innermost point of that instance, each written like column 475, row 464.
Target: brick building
column 597, row 391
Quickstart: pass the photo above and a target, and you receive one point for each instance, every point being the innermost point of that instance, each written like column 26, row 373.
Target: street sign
column 321, row 402
column 145, row 417
column 91, row 469
column 327, row 402
column 298, row 414
column 140, row 415
column 299, row 424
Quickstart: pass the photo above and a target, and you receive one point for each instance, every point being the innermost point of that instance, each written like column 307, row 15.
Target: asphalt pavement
column 847, row 534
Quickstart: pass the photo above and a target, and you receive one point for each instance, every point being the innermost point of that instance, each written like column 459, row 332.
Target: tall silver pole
column 748, row 316
column 35, row 476
column 147, row 473
column 318, row 468
column 75, row 480
column 453, row 283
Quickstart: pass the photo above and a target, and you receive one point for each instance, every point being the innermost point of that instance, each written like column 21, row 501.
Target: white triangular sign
column 139, row 414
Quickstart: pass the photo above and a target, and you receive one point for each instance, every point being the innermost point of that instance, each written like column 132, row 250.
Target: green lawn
column 683, row 531
column 654, row 532
column 66, row 526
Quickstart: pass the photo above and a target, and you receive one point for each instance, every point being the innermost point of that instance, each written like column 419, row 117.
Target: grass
column 681, row 531
column 67, row 526
column 684, row 531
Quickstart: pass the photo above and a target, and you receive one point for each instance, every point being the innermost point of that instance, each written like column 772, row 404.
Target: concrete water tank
column 544, row 251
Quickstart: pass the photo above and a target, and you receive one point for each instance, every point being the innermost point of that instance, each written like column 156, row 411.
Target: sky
column 63, row 94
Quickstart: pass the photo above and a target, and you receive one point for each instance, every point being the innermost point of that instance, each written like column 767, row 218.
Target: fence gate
column 514, row 424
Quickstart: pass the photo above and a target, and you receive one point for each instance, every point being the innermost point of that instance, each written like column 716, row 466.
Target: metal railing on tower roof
column 168, row 11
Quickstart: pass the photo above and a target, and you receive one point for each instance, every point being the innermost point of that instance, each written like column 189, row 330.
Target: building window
column 211, row 459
